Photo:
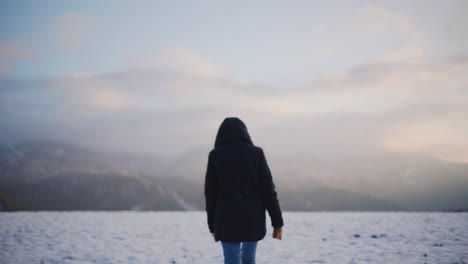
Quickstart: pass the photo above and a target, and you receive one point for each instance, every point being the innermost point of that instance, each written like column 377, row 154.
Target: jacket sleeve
column 210, row 192
column 268, row 192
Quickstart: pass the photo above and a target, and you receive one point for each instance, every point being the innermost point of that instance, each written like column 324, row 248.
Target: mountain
column 34, row 160
column 48, row 175
column 86, row 191
column 413, row 182
column 12, row 170
column 34, row 174
column 377, row 180
column 329, row 199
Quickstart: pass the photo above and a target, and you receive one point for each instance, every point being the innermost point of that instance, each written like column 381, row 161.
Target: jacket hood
column 232, row 130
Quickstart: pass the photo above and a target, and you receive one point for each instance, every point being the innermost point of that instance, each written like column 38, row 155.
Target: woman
column 238, row 189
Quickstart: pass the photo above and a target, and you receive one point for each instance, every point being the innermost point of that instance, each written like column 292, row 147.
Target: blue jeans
column 237, row 251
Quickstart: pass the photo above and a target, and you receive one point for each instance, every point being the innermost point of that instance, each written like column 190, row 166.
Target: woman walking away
column 238, row 189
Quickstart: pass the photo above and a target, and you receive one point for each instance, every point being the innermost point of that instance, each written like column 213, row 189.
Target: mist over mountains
column 50, row 175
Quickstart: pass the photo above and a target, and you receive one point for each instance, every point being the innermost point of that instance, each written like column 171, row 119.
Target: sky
column 310, row 77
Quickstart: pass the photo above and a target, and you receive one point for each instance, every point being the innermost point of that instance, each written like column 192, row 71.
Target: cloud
column 452, row 30
column 375, row 31
column 329, row 50
column 441, row 136
column 12, row 52
column 178, row 103
column 387, row 86
column 73, row 28
column 411, row 52
column 190, row 63
column 382, row 19
column 424, row 104
column 102, row 98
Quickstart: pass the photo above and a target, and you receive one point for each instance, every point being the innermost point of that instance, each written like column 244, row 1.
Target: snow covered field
column 182, row 237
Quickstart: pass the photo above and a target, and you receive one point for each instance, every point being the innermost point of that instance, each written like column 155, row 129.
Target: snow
column 182, row 237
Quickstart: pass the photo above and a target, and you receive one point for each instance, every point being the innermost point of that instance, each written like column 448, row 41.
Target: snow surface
column 182, row 237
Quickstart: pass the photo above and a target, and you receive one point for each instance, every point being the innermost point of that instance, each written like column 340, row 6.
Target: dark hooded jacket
column 239, row 187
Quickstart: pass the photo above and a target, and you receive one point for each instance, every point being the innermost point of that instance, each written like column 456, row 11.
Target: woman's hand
column 278, row 233
column 214, row 237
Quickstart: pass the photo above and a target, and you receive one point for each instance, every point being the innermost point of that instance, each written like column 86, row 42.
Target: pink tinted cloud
column 12, row 52
column 73, row 28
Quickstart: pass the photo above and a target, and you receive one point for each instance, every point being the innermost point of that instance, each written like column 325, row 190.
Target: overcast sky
column 319, row 77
